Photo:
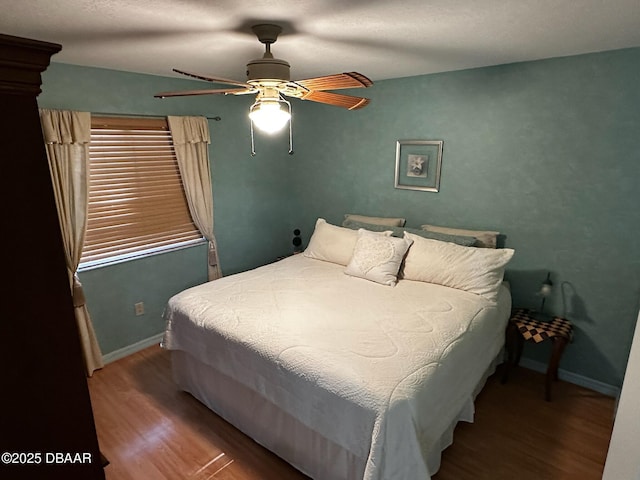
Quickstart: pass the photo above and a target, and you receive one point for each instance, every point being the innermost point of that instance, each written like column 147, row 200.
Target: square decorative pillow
column 332, row 243
column 377, row 257
column 484, row 238
column 387, row 221
column 475, row 270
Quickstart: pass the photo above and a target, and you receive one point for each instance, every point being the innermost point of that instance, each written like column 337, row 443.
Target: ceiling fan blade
column 213, row 79
column 337, row 100
column 235, row 91
column 336, row 82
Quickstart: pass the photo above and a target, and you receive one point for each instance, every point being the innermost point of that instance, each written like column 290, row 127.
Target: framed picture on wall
column 418, row 165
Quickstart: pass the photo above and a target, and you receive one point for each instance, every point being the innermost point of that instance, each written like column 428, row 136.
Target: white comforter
column 381, row 371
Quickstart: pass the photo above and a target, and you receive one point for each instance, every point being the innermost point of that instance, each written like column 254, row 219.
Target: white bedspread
column 381, row 371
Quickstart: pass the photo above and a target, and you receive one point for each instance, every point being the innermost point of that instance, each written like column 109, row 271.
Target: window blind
column 136, row 196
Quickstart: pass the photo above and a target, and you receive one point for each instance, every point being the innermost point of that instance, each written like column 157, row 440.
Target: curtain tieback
column 212, row 254
column 78, row 293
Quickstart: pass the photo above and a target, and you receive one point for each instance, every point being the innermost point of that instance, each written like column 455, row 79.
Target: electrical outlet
column 139, row 308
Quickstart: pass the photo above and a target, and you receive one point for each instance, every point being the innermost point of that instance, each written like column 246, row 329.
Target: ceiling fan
column 269, row 78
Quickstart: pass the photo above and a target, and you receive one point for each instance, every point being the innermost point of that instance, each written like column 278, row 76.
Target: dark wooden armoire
column 45, row 409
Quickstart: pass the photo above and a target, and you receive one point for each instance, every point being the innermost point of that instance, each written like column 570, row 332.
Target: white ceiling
column 379, row 38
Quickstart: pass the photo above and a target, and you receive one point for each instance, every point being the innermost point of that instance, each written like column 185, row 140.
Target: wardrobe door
column 46, row 421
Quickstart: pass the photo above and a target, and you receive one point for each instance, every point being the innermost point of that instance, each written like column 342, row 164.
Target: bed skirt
column 296, row 443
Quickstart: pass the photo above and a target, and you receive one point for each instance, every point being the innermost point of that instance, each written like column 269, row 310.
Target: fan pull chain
column 253, row 145
column 290, row 130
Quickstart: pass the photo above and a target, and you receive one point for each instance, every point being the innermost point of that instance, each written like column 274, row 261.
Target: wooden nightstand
column 529, row 325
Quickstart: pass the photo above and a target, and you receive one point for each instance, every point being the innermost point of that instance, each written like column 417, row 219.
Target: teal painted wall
column 546, row 152
column 251, row 205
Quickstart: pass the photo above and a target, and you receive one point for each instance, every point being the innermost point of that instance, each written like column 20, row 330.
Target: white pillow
column 377, row 257
column 484, row 238
column 475, row 270
column 332, row 243
column 387, row 221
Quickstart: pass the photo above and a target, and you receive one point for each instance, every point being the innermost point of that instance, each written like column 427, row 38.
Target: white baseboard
column 130, row 349
column 571, row 377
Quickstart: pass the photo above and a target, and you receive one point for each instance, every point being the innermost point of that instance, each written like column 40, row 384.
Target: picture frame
column 418, row 165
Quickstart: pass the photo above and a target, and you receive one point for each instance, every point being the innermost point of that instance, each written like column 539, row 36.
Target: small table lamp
column 545, row 291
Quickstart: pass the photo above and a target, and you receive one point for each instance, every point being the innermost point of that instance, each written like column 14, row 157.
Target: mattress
column 381, row 372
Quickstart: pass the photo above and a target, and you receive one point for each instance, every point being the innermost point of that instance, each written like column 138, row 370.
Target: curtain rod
column 118, row 114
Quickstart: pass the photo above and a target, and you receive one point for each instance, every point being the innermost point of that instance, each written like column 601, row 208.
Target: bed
column 342, row 376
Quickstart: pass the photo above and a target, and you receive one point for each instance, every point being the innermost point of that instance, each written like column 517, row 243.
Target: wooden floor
column 149, row 430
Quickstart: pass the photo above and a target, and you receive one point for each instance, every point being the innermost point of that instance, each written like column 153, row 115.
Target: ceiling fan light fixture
column 269, row 78
column 270, row 116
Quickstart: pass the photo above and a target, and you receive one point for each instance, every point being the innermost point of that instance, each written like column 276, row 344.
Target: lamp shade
column 545, row 290
column 268, row 116
column 546, row 287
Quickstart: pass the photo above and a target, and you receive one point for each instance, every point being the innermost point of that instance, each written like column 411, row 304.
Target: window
column 137, row 203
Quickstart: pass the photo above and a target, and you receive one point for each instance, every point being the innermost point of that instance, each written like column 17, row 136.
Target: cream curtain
column 191, row 141
column 67, row 135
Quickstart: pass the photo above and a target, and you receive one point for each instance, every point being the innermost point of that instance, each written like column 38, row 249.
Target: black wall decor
column 297, row 241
